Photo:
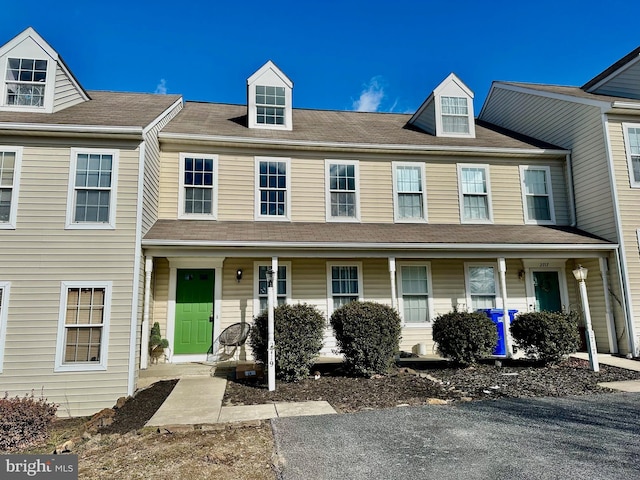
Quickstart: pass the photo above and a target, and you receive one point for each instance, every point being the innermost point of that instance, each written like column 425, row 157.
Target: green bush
column 298, row 333
column 368, row 335
column 464, row 337
column 546, row 336
column 155, row 339
column 24, row 421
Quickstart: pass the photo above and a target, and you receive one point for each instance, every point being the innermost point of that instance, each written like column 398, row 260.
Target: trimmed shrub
column 298, row 332
column 464, row 337
column 546, row 336
column 368, row 335
column 24, row 421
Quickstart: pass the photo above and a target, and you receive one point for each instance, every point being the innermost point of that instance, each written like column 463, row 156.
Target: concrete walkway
column 606, row 359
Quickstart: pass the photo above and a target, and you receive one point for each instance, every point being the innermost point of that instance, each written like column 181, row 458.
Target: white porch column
column 611, row 327
column 502, row 270
column 271, row 344
column 144, row 338
column 392, row 277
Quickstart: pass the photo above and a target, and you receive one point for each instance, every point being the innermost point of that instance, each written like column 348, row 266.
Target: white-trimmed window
column 475, row 194
column 261, row 285
column 83, row 326
column 270, row 105
column 414, row 281
column 273, row 196
column 10, row 161
column 455, row 115
column 482, row 286
column 410, row 200
column 4, row 302
column 344, row 284
column 92, row 188
column 537, row 198
column 25, row 82
column 343, row 196
column 632, row 141
column 198, row 186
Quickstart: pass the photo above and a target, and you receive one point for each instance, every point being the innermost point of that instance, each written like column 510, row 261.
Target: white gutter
column 377, row 246
column 627, row 105
column 626, row 286
column 46, row 127
column 187, row 137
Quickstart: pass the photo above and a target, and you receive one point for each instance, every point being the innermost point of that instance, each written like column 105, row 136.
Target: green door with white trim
column 194, row 306
column 547, row 289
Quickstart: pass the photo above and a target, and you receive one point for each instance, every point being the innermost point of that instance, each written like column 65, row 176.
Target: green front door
column 547, row 288
column 194, row 305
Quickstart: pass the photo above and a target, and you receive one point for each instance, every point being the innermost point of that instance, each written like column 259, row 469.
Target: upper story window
column 455, row 115
column 282, row 289
column 345, row 284
column 25, row 82
column 10, row 159
column 198, row 182
column 270, row 102
column 342, row 190
column 475, row 194
column 536, row 195
column 415, row 293
column 273, row 192
column 409, row 192
column 632, row 140
column 91, row 202
column 481, row 286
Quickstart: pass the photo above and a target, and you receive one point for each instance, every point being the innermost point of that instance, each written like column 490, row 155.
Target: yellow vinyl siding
column 236, row 183
column 307, row 190
column 169, row 185
column 66, row 93
column 442, row 192
column 376, row 192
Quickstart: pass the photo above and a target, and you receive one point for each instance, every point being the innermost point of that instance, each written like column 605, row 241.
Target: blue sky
column 344, row 55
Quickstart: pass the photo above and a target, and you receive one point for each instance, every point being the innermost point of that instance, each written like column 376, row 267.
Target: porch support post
column 506, row 319
column 392, row 276
column 271, row 344
column 611, row 327
column 144, row 337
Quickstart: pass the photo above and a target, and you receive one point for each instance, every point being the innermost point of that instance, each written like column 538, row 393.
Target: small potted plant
column 157, row 344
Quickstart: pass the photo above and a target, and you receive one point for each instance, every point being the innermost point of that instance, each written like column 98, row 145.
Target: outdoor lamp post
column 580, row 274
column 271, row 344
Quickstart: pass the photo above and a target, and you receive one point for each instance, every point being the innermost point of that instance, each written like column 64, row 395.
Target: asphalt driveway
column 590, row 437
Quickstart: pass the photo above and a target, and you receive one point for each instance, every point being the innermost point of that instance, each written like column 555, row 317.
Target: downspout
column 620, row 252
column 144, row 339
column 570, row 192
column 611, row 327
column 392, row 277
column 506, row 319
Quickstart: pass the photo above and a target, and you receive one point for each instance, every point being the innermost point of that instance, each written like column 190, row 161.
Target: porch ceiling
column 291, row 235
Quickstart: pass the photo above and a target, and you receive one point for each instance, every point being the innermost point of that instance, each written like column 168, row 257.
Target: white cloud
column 370, row 97
column 162, row 87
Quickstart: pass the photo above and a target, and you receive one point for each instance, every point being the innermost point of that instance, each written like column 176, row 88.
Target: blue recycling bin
column 497, row 316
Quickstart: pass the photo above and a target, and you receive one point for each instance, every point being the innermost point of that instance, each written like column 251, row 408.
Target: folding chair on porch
column 231, row 339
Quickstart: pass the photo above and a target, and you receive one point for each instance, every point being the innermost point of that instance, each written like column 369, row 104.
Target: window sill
column 80, row 367
column 89, row 226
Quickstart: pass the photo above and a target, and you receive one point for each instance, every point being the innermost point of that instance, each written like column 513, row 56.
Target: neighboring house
column 600, row 123
column 72, row 164
column 118, row 210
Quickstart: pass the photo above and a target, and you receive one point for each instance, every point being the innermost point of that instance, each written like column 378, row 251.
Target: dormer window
column 455, row 115
column 26, row 79
column 269, row 99
column 270, row 105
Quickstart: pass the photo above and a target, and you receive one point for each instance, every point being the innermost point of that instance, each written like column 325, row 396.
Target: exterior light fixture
column 239, row 275
column 580, row 275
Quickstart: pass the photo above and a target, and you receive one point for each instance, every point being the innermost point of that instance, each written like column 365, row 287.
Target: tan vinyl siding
column 625, row 84
column 159, row 293
column 376, row 192
column 595, row 293
column 236, row 187
column 169, row 185
column 568, row 125
column 307, row 190
column 427, row 120
column 442, row 192
column 40, row 254
column 66, row 93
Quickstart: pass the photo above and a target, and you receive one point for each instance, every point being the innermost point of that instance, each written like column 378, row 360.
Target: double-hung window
column 345, row 284
column 632, row 141
column 10, row 159
column 475, row 194
column 4, row 301
column 455, row 115
column 273, row 193
column 25, row 82
column 536, row 195
column 282, row 288
column 83, row 326
column 409, row 192
column 415, row 293
column 481, row 286
column 92, row 192
column 198, row 185
column 270, row 105
column 342, row 190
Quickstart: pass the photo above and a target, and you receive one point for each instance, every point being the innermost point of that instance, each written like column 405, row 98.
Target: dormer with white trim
column 34, row 77
column 269, row 98
column 448, row 111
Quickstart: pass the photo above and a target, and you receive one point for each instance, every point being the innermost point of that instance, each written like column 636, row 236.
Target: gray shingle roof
column 341, row 235
column 342, row 127
column 570, row 91
column 107, row 109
